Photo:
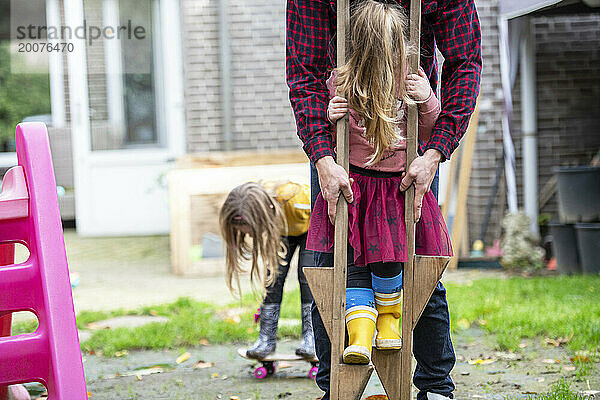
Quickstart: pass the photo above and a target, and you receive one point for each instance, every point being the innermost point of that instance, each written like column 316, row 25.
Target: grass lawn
column 561, row 390
column 511, row 309
column 516, row 308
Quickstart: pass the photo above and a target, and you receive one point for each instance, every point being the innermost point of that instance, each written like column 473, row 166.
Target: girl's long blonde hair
column 373, row 77
column 253, row 206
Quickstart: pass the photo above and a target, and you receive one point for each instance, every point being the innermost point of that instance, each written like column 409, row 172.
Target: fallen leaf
column 580, row 358
column 480, row 361
column 95, row 326
column 203, row 342
column 89, row 394
column 550, row 361
column 522, row 345
column 464, row 323
column 541, row 379
column 569, row 368
column 377, row 397
column 138, row 377
column 154, row 313
column 234, row 398
column 183, row 358
column 121, row 353
column 201, row 365
column 559, row 341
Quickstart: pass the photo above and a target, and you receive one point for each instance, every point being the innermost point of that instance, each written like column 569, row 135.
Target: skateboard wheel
column 270, row 368
column 260, row 373
column 312, row 374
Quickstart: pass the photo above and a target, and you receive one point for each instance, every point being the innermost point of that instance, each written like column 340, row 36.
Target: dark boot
column 267, row 338
column 307, row 347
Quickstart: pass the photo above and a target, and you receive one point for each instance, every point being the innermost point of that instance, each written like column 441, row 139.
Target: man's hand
column 421, row 172
column 333, row 179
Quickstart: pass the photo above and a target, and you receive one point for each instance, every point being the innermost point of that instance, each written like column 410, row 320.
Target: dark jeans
column 432, row 345
column 305, row 259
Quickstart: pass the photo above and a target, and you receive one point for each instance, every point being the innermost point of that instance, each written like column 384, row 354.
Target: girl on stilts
column 378, row 88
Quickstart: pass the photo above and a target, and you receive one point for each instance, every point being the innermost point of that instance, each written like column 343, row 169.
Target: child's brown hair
column 250, row 205
column 373, row 76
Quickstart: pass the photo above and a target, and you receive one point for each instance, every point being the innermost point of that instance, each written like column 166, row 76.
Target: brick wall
column 568, row 95
column 261, row 114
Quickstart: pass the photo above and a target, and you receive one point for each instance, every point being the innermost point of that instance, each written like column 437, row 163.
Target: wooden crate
column 198, row 188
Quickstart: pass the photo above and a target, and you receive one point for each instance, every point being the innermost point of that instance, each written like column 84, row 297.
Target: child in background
column 265, row 222
column 378, row 90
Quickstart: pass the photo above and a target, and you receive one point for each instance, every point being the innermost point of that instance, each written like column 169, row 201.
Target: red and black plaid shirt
column 451, row 25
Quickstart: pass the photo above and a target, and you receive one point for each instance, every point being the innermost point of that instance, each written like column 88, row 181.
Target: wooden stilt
column 352, row 378
column 320, row 281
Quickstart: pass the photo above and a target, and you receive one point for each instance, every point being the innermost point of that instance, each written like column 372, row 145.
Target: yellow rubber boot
column 389, row 308
column 360, row 322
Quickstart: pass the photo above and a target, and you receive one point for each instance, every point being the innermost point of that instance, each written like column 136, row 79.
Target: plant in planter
column 519, row 244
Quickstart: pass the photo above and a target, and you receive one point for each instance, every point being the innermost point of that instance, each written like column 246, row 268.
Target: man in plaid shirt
column 453, row 27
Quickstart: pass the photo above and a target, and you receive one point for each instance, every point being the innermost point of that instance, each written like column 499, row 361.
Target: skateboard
column 269, row 363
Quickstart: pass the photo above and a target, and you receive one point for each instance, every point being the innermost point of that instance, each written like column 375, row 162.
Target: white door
column 126, row 106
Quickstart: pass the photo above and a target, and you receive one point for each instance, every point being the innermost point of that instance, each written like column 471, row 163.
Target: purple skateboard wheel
column 260, row 373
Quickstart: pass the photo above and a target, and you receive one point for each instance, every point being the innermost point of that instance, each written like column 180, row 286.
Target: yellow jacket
column 294, row 199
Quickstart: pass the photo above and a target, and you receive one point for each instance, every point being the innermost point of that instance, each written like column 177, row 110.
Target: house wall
column 568, row 105
column 568, row 95
column 261, row 114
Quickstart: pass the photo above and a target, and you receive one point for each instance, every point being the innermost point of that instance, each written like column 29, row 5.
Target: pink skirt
column 376, row 227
